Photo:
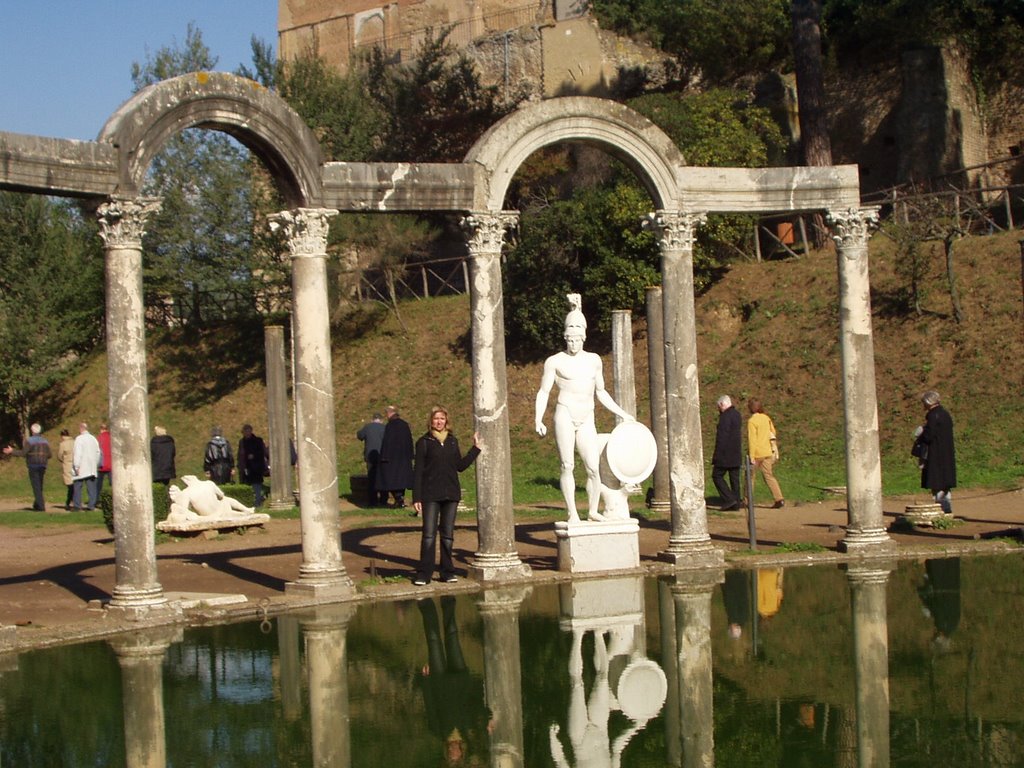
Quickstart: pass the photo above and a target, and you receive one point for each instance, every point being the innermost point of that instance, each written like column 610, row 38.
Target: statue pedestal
column 211, row 526
column 586, row 547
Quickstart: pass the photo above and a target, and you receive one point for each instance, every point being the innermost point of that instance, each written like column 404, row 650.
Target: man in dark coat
column 372, row 435
column 252, row 462
column 394, row 472
column 728, row 454
column 938, row 474
column 162, row 453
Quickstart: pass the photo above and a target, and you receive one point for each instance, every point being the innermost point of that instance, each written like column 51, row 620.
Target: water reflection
column 610, row 613
column 845, row 670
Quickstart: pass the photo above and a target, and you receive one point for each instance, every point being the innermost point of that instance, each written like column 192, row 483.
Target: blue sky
column 65, row 65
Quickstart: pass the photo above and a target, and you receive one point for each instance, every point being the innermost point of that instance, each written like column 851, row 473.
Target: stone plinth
column 587, row 547
column 922, row 515
column 213, row 526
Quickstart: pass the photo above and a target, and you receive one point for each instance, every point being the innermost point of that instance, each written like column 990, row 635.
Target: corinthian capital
column 305, row 228
column 486, row 229
column 853, row 225
column 675, row 229
column 123, row 221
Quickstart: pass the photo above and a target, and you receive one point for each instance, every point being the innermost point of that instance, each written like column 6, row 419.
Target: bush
column 162, row 501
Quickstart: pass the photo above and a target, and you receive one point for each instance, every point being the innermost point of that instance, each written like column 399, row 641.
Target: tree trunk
column 810, row 87
column 954, row 294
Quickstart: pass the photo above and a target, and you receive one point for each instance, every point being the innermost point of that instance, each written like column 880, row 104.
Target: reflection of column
column 622, row 362
column 692, row 597
column 866, row 527
column 121, row 224
column 141, row 658
column 503, row 686
column 277, row 419
column 496, row 557
column 871, row 659
column 659, row 425
column 327, row 660
column 289, row 667
column 689, row 544
column 667, row 623
column 322, row 571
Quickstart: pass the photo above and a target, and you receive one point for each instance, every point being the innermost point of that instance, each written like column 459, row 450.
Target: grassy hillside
column 768, row 329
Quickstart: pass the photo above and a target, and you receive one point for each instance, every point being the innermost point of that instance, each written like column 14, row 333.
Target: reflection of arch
column 257, row 118
column 614, row 127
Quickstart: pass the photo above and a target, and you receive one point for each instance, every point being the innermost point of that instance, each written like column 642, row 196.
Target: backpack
column 218, row 450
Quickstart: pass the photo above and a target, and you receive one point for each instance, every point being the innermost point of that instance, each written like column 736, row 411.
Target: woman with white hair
column 938, row 471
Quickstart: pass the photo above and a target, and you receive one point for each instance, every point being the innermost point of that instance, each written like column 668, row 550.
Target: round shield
column 642, row 690
column 631, row 452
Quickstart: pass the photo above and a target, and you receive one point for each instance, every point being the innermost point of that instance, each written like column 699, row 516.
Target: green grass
column 27, row 518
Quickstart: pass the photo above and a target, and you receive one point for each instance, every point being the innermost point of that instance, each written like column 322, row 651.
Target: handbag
column 774, row 442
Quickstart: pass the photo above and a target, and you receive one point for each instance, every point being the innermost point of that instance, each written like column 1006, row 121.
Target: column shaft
column 689, row 542
column 322, row 572
column 136, row 587
column 622, row 361
column 496, row 557
column 278, row 430
column 659, row 418
column 866, row 528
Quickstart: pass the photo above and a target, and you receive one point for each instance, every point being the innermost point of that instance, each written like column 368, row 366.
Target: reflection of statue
column 580, row 379
column 202, row 499
column 640, row 694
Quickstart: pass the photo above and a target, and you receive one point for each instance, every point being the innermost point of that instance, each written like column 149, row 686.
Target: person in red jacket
column 436, row 492
column 104, row 470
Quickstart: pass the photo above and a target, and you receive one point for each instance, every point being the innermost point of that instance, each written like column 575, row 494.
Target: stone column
column 871, row 660
column 622, row 361
column 659, row 418
column 279, row 434
column 497, row 558
column 141, row 659
column 322, row 573
column 503, row 675
column 327, row 661
column 691, row 594
column 136, row 588
column 865, row 532
column 689, row 545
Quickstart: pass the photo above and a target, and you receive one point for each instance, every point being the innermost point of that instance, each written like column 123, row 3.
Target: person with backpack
column 218, row 463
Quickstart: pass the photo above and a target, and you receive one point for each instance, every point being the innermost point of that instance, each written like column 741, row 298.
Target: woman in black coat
column 938, row 474
column 436, row 492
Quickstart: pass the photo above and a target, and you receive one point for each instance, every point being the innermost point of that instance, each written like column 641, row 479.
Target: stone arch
column 242, row 108
column 614, row 127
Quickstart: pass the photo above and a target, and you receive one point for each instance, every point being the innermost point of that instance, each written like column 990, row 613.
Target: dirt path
column 53, row 579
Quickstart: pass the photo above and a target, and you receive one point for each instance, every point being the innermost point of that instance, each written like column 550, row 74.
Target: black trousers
column 438, row 517
column 729, row 495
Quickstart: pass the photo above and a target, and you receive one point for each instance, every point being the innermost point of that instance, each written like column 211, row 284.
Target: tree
column 51, row 298
column 810, row 87
column 199, row 247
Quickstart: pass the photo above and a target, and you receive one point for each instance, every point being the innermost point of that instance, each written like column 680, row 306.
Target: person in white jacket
column 87, row 458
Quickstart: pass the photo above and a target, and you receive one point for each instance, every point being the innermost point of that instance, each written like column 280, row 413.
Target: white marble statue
column 202, row 500
column 580, row 379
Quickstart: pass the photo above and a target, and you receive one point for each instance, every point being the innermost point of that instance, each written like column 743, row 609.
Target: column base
column 279, row 505
column 691, row 555
column 321, row 588
column 498, row 567
column 867, row 543
column 660, row 506
column 140, row 603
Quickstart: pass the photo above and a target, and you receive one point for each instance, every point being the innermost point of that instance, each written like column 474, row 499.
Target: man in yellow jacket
column 762, row 448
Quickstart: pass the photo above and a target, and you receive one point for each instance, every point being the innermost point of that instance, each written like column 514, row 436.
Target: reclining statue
column 203, row 499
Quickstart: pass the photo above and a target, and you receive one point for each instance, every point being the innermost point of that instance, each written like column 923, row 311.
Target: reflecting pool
column 915, row 663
